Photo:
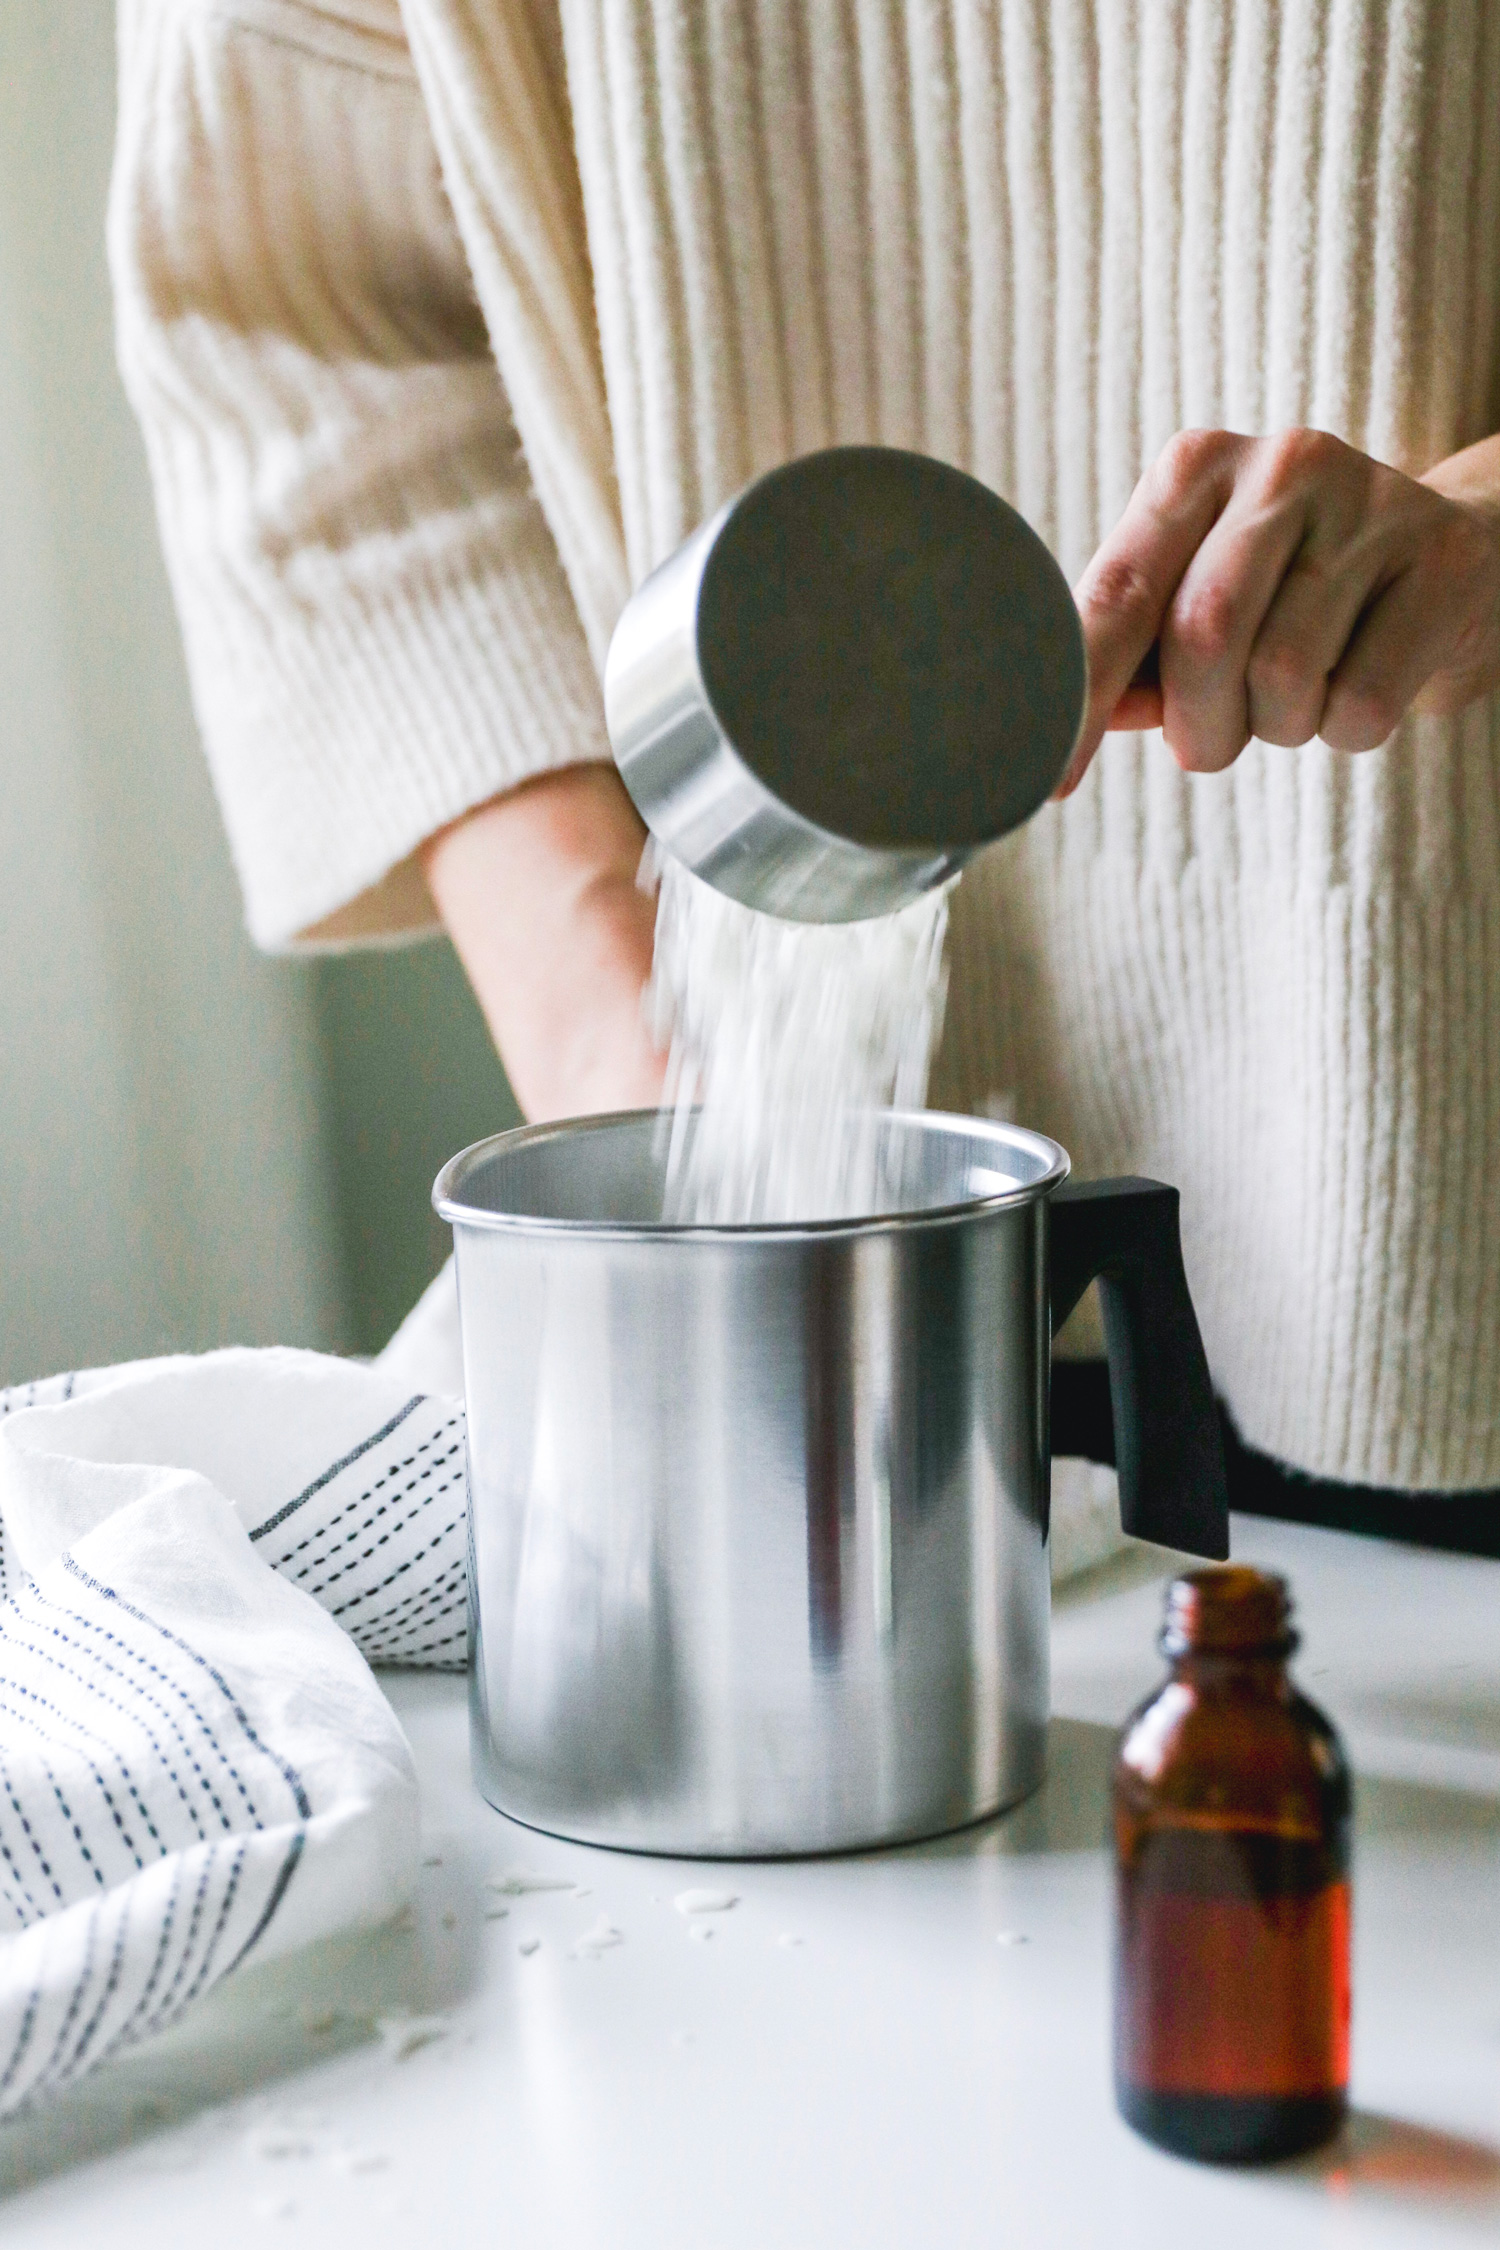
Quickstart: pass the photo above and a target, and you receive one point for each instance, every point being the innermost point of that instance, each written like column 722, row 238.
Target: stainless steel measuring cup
column 860, row 671
column 758, row 1514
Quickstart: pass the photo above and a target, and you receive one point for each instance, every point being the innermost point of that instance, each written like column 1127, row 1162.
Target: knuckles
column 1204, row 626
column 1121, row 587
column 1186, row 460
column 1288, row 698
column 1293, row 460
column 1286, row 695
column 1359, row 718
column 1278, row 670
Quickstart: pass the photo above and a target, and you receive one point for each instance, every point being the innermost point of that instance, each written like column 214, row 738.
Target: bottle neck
column 1231, row 1618
column 1243, row 1671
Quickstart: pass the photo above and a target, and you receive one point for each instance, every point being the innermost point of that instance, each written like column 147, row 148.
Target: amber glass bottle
column 1231, row 1819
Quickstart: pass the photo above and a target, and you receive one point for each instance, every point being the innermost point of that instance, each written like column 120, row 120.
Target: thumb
column 1124, row 595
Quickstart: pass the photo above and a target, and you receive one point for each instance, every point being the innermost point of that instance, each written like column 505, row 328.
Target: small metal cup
column 858, row 673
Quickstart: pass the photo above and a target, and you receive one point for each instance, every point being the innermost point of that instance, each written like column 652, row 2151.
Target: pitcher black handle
column 1168, row 1447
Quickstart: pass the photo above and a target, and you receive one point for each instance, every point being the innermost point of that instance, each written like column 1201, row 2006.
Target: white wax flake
column 580, row 1890
column 496, row 1913
column 404, row 2036
column 789, row 1937
column 520, row 1882
column 278, row 2144
column 1012, row 1937
column 361, row 2159
column 789, row 1040
column 705, row 1902
column 598, row 1940
column 528, row 1946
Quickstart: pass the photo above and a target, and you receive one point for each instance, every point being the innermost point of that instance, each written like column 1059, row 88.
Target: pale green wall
column 196, row 1145
column 410, row 1077
column 163, row 1166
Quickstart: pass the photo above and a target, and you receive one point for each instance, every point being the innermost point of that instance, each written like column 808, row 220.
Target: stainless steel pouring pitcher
column 758, row 1515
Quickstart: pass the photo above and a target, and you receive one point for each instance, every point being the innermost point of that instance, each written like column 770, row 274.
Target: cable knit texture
column 667, row 243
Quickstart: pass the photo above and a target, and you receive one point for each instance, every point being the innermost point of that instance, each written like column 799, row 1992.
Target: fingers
column 1471, row 598
column 1213, row 621
column 1138, row 710
column 1398, row 646
column 1298, row 647
column 1358, row 526
column 1283, row 588
column 1125, row 593
column 1268, row 603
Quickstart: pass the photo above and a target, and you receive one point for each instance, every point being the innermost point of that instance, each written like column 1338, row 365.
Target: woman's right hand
column 1286, row 587
column 539, row 894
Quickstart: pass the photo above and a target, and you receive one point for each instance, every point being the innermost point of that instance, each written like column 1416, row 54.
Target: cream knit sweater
column 446, row 321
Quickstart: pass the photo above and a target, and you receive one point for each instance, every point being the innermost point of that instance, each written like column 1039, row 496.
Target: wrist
column 1471, row 481
column 538, row 891
column 1472, row 478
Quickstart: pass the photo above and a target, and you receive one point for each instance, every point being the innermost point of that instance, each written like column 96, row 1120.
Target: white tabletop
column 854, row 2056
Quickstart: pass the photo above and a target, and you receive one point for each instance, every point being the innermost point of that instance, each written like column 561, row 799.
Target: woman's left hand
column 1288, row 587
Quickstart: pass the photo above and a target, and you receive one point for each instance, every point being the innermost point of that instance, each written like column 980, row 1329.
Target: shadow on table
column 1388, row 2156
column 1387, row 1807
column 247, row 2049
column 1459, row 1714
column 1067, row 1814
column 1070, row 1811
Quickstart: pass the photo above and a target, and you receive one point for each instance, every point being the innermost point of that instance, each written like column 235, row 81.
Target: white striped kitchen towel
column 195, row 1761
column 196, row 1764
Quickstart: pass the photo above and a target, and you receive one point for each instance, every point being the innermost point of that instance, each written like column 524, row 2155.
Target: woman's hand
column 1289, row 587
column 538, row 890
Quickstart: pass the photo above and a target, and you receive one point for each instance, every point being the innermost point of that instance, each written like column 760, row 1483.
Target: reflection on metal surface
column 766, row 684
column 758, row 1515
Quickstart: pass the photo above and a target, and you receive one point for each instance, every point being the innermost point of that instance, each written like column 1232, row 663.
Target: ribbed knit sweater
column 447, row 321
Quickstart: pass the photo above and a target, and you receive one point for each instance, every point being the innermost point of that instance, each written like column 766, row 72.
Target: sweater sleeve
column 378, row 629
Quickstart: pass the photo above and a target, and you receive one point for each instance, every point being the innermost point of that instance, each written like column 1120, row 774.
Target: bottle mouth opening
column 1235, row 1611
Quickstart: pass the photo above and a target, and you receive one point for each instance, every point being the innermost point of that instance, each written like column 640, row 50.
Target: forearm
column 377, row 622
column 538, row 891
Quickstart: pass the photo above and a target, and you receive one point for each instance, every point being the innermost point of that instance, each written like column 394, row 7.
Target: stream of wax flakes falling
column 788, row 1040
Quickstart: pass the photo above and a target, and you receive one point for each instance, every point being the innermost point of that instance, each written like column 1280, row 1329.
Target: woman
column 446, row 323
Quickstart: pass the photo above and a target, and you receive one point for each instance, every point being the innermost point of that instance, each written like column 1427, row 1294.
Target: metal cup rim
column 447, row 1200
